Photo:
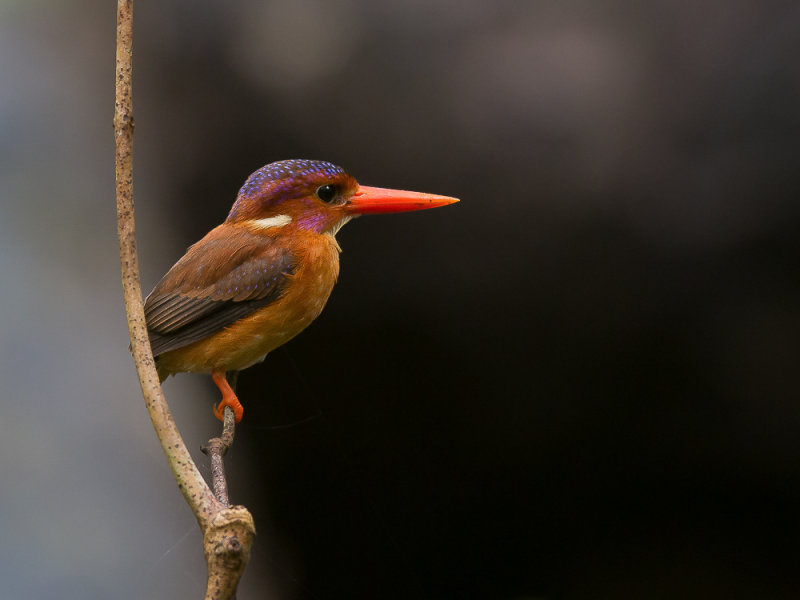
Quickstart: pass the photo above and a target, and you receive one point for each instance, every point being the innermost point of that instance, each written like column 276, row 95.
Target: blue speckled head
column 283, row 180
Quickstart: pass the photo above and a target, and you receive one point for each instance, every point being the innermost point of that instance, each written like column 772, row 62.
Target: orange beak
column 372, row 200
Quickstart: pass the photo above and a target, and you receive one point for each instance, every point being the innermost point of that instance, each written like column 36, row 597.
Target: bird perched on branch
column 260, row 278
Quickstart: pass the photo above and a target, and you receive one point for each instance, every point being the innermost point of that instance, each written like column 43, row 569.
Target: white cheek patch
column 270, row 222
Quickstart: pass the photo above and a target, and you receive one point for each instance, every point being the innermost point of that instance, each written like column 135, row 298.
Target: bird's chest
column 312, row 283
column 301, row 303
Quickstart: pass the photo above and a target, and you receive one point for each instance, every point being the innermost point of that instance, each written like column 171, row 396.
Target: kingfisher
column 261, row 277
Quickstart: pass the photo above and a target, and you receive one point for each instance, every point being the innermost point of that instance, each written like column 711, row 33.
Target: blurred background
column 580, row 382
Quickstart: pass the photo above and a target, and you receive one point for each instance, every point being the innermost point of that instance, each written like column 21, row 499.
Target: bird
column 262, row 276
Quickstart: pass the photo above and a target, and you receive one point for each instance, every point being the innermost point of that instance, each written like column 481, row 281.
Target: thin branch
column 227, row 531
column 215, row 449
column 190, row 481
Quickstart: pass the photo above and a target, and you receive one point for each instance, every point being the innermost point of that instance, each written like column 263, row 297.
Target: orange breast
column 248, row 340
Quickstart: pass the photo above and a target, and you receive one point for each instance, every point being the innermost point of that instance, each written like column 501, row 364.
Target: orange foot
column 228, row 398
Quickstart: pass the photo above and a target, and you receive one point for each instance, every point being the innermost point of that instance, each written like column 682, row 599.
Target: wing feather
column 223, row 278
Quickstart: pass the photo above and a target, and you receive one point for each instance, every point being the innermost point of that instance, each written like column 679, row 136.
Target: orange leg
column 228, row 398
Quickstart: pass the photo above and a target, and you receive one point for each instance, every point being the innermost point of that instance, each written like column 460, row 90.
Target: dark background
column 579, row 382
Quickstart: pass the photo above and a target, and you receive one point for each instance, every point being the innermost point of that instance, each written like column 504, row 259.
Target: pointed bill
column 372, row 200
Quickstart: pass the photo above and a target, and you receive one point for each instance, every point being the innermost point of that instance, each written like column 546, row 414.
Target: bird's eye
column 326, row 193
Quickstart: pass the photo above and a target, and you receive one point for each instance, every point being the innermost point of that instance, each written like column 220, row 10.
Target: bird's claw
column 236, row 406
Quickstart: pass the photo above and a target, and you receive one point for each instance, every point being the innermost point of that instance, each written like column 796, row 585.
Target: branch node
column 227, row 543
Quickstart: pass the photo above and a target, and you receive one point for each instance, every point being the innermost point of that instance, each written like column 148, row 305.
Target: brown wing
column 222, row 278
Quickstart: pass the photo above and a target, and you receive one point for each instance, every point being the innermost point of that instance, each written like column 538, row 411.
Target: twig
column 218, row 447
column 215, row 449
column 227, row 531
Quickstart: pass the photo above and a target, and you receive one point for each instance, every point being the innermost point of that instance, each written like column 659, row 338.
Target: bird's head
column 317, row 196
